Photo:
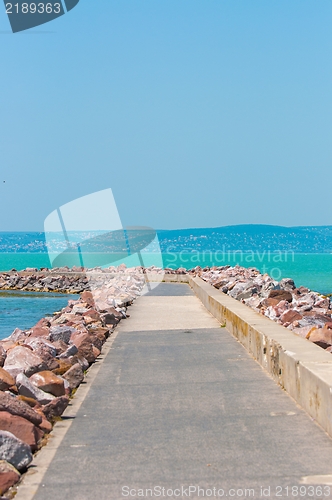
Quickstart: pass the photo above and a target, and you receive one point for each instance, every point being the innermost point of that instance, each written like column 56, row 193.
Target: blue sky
column 197, row 113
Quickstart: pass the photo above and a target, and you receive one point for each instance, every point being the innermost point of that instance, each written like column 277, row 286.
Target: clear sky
column 196, row 113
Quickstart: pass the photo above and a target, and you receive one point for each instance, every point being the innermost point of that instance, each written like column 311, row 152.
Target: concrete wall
column 302, row 368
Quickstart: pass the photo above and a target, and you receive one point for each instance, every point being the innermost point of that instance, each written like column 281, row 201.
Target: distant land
column 252, row 237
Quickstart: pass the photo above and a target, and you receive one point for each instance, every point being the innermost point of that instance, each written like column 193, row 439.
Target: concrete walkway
column 178, row 402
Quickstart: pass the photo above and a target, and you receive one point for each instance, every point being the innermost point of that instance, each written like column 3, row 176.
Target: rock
column 85, row 347
column 280, row 295
column 48, row 382
column 320, row 336
column 290, row 316
column 60, row 332
column 22, row 360
column 287, row 284
column 39, row 331
column 93, row 314
column 46, row 350
column 6, row 380
column 45, row 425
column 3, row 355
column 88, row 298
column 8, row 476
column 14, row 451
column 74, row 376
column 64, row 366
column 18, row 335
column 71, row 351
column 16, row 407
column 23, row 429
column 56, row 407
column 28, row 389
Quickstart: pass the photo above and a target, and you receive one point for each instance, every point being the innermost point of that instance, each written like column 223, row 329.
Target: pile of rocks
column 40, row 368
column 301, row 310
column 67, row 280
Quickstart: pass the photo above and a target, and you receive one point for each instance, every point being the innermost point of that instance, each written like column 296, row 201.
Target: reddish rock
column 74, row 376
column 23, row 360
column 280, row 295
column 8, row 476
column 56, row 407
column 43, row 322
column 39, row 331
column 85, row 347
column 290, row 316
column 23, row 429
column 321, row 336
column 93, row 314
column 6, row 380
column 87, row 297
column 16, row 407
column 48, row 382
column 45, row 425
column 95, row 351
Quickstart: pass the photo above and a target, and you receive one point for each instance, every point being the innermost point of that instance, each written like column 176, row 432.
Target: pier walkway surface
column 179, row 404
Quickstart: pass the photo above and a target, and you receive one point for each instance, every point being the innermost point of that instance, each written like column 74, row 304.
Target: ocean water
column 313, row 270
column 301, row 253
column 23, row 309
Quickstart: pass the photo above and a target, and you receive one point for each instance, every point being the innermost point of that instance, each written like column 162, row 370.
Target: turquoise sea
column 301, row 253
column 23, row 309
column 313, row 270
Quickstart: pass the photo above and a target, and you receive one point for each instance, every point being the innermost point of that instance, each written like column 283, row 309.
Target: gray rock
column 14, row 451
column 28, row 389
column 61, row 333
column 71, row 351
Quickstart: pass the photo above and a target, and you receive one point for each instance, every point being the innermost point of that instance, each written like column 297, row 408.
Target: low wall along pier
column 299, row 366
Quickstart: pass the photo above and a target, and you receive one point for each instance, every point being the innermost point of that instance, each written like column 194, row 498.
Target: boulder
column 47, row 381
column 28, row 389
column 64, row 365
column 22, row 428
column 321, row 336
column 39, row 331
column 290, row 316
column 16, row 407
column 6, row 380
column 14, row 451
column 287, row 284
column 46, row 350
column 74, row 376
column 85, row 346
column 280, row 295
column 61, row 332
column 22, row 360
column 71, row 351
column 8, row 476
column 56, row 407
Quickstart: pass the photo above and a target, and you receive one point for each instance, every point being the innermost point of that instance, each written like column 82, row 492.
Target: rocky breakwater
column 41, row 368
column 299, row 309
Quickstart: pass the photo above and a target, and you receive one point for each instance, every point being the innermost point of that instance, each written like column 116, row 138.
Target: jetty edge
column 42, row 367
